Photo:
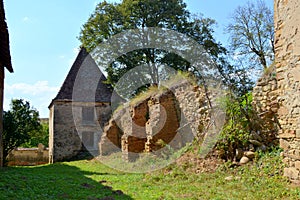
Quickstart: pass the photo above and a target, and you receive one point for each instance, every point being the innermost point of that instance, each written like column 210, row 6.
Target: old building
column 5, row 62
column 287, row 49
column 79, row 111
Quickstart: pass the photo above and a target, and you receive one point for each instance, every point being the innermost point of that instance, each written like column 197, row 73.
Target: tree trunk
column 1, row 114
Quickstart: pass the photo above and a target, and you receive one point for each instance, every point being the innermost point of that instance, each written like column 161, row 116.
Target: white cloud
column 38, row 94
column 38, row 88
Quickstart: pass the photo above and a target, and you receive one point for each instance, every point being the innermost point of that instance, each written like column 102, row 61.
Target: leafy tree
column 38, row 136
column 252, row 32
column 18, row 124
column 112, row 18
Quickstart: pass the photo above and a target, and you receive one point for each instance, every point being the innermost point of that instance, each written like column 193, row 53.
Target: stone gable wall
column 66, row 128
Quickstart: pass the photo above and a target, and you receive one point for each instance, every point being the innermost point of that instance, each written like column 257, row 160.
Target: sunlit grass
column 93, row 180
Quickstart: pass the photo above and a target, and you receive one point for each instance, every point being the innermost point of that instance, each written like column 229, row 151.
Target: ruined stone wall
column 265, row 108
column 287, row 55
column 69, row 134
column 173, row 117
column 28, row 156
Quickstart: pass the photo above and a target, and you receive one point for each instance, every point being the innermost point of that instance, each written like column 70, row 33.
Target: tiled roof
column 102, row 93
column 5, row 59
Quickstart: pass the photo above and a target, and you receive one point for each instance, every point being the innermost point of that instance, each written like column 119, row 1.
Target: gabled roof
column 5, row 59
column 103, row 91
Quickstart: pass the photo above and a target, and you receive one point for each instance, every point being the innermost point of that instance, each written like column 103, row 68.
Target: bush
column 236, row 131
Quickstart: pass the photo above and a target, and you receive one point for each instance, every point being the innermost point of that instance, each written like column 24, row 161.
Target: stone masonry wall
column 69, row 134
column 265, row 106
column 287, row 55
column 28, row 156
column 161, row 118
column 64, row 142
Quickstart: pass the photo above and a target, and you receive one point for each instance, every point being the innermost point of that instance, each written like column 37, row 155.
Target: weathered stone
column 153, row 122
column 285, row 160
column 292, row 156
column 249, row 154
column 28, row 156
column 111, row 139
column 285, row 89
column 69, row 134
column 298, row 133
column 229, row 178
column 244, row 160
column 79, row 111
column 284, row 144
column 297, row 165
column 232, row 178
column 287, row 135
column 283, row 111
column 291, row 173
column 163, row 121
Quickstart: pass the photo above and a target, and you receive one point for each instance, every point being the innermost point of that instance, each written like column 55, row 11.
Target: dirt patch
column 192, row 162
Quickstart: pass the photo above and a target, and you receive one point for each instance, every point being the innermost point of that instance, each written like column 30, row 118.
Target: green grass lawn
column 93, row 180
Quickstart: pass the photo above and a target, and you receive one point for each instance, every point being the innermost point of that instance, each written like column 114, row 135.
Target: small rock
column 249, row 154
column 244, row 160
column 263, row 148
column 291, row 172
column 229, row 178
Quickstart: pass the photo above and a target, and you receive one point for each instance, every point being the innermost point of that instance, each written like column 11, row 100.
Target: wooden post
column 1, row 113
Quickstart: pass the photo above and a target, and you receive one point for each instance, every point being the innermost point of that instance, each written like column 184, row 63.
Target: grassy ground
column 92, row 180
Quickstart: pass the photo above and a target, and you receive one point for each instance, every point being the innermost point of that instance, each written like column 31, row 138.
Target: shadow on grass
column 58, row 181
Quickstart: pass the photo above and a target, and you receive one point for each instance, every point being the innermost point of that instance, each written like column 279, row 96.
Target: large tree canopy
column 252, row 32
column 110, row 19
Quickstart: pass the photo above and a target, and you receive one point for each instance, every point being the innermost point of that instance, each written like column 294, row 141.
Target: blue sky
column 44, row 44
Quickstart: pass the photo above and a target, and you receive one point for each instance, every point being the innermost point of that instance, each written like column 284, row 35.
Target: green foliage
column 19, row 123
column 235, row 133
column 110, row 19
column 38, row 136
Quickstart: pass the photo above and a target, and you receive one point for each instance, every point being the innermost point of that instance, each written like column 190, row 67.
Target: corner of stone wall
column 265, row 106
column 287, row 56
